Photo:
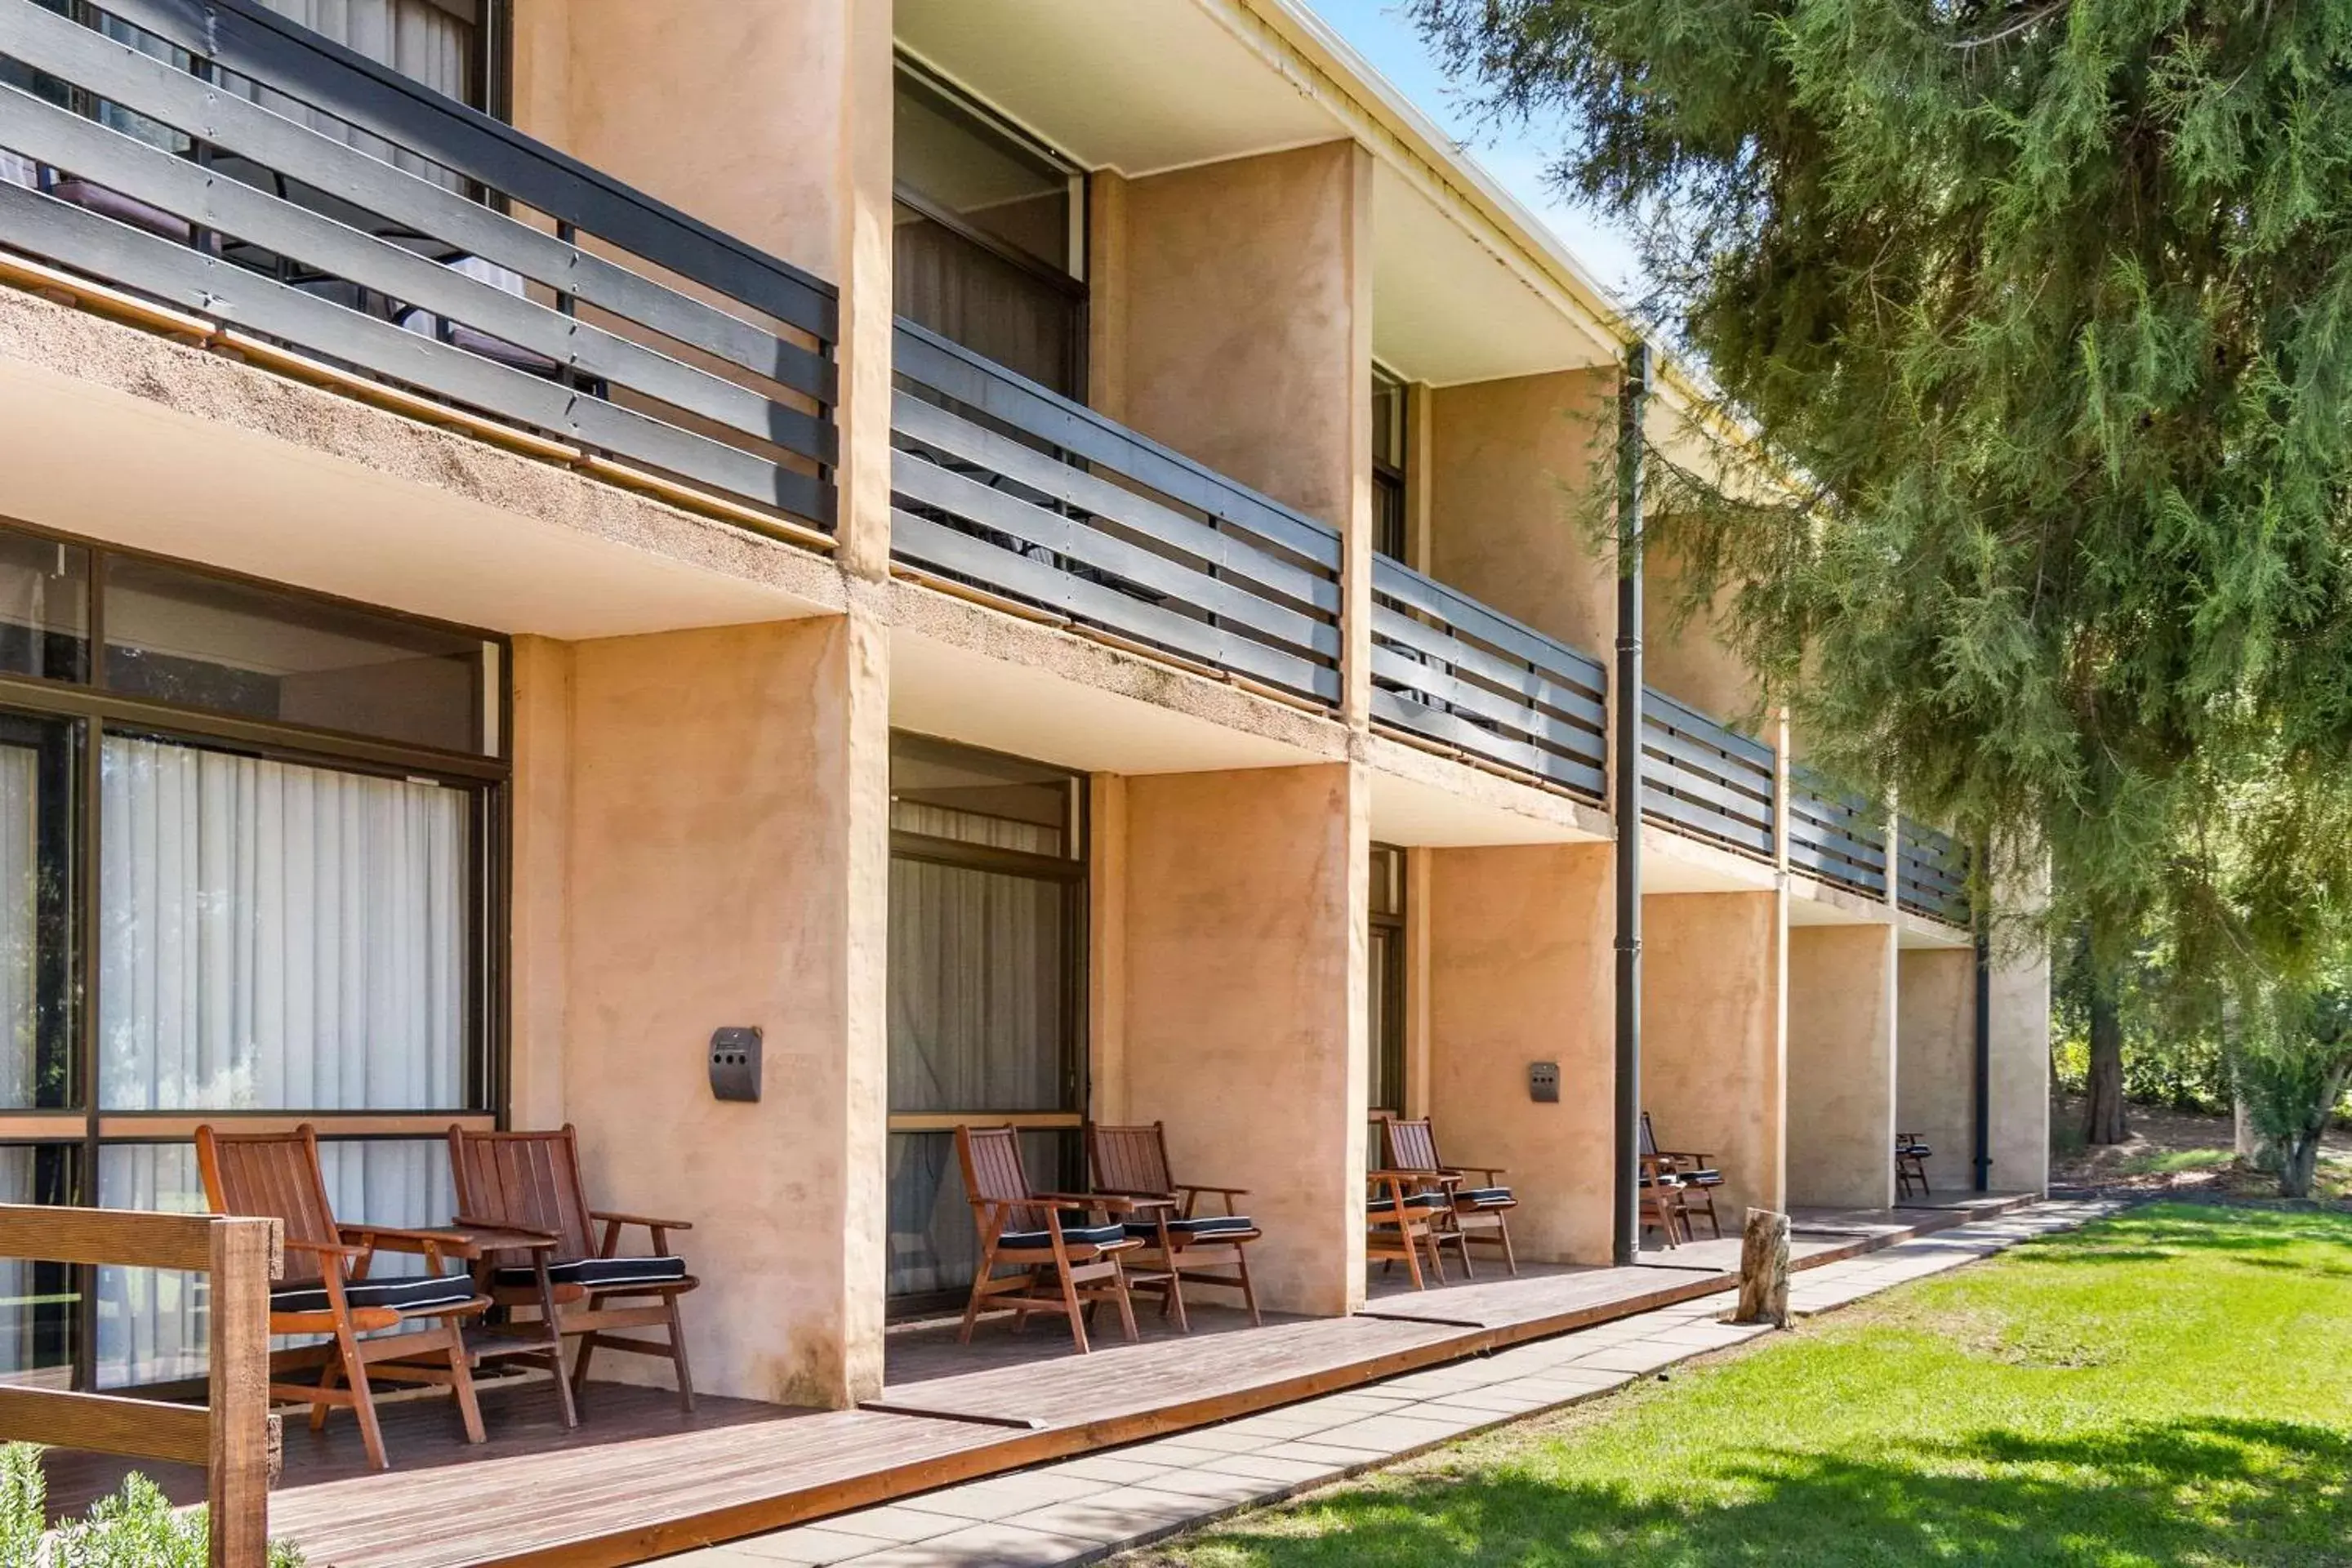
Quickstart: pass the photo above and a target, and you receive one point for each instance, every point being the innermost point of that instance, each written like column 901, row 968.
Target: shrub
column 136, row 1528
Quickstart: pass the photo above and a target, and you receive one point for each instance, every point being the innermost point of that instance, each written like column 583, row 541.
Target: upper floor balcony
column 293, row 203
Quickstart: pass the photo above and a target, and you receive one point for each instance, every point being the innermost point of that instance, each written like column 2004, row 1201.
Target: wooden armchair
column 1478, row 1214
column 1664, row 1207
column 1132, row 1161
column 1911, row 1153
column 326, row 1288
column 530, row 1182
column 1064, row 1248
column 1697, row 1173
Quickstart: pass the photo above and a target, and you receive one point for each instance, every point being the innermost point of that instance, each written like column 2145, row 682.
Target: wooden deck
column 637, row 1480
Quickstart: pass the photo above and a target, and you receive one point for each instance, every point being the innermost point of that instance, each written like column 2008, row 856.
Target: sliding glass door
column 987, row 953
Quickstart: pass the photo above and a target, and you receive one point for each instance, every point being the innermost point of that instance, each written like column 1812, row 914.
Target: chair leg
column 678, row 1355
column 1077, row 1314
column 1175, row 1297
column 1126, row 1308
column 1249, row 1292
column 461, row 1379
column 330, row 1376
column 971, row 1307
column 1510, row 1258
column 363, row 1397
column 1412, row 1257
column 580, row 1362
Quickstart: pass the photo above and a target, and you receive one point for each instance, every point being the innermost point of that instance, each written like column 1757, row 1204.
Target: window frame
column 95, row 713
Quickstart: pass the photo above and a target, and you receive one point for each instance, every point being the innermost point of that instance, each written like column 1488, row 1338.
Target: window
column 1385, row 975
column 986, row 960
column 1389, row 449
column 247, row 871
column 989, row 249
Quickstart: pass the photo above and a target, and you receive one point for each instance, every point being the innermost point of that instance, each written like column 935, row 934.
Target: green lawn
column 2173, row 1386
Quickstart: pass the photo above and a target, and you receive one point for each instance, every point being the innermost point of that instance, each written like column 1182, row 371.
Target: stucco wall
column 1510, row 461
column 1842, row 1064
column 1713, row 1066
column 1245, row 1017
column 1519, row 972
column 728, row 865
column 1935, row 1057
column 1682, row 657
column 2019, row 1044
column 1245, row 320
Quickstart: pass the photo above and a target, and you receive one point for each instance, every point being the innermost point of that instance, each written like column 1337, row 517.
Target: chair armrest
column 1489, row 1172
column 1204, row 1188
column 645, row 1220
column 1112, row 1203
column 1696, row 1158
column 342, row 1249
column 476, row 1222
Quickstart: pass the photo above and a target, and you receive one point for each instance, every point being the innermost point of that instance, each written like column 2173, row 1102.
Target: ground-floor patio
column 639, row 1479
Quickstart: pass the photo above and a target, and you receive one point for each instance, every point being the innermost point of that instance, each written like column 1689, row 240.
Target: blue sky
column 1516, row 157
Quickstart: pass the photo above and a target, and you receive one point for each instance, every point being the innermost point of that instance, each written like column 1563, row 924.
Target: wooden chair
column 530, row 1182
column 1064, row 1264
column 1132, row 1161
column 326, row 1288
column 1663, row 1206
column 1697, row 1173
column 1476, row 1215
column 1401, row 1218
column 1911, row 1153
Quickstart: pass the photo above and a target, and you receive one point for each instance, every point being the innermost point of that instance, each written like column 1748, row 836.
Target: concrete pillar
column 538, row 914
column 1510, row 461
column 2020, row 1010
column 1247, row 908
column 730, row 866
column 1936, row 1053
column 1842, row 1012
column 1521, row 969
column 1713, row 1059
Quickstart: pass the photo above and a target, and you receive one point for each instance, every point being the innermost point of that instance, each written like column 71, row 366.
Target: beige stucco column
column 1713, row 1063
column 1245, row 1027
column 728, row 858
column 1519, row 972
column 2019, row 1009
column 1842, row 1018
column 1936, row 1053
column 538, row 902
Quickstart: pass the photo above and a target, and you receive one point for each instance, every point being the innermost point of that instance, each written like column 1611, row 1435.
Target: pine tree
column 2050, row 304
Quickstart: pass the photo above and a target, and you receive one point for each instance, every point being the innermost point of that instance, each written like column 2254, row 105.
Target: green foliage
column 2292, row 1072
column 136, row 1528
column 2050, row 305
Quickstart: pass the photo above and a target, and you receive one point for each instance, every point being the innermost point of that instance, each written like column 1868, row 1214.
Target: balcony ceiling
column 1144, row 87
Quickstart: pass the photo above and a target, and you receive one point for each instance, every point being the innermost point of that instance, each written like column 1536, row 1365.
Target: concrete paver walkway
column 1084, row 1509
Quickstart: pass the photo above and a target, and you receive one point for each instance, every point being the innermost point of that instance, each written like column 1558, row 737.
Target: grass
column 2173, row 1161
column 2168, row 1387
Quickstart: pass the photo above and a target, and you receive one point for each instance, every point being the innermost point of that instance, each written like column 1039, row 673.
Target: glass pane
column 280, row 937
column 267, row 653
column 1386, row 1024
column 151, row 1321
column 38, row 1300
column 44, row 608
column 944, row 791
column 984, row 178
column 36, row 918
column 1388, row 420
column 934, row 1246
column 979, row 967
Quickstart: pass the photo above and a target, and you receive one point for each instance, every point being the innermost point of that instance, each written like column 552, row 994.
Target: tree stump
column 1764, row 1269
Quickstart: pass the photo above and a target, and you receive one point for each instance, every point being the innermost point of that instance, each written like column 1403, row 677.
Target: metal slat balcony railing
column 1931, row 874
column 1833, row 836
column 1000, row 484
column 216, row 157
column 1704, row 779
column 1447, row 669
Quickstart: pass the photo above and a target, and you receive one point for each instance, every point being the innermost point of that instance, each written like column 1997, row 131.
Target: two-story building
column 1043, row 555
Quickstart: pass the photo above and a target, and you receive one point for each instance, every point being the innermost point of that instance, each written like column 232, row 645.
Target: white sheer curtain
column 274, row 937
column 278, row 937
column 425, row 41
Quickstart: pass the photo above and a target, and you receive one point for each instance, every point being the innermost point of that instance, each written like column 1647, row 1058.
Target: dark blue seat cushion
column 1071, row 1236
column 1204, row 1227
column 414, row 1293
column 597, row 1273
column 1709, row 1178
column 1921, row 1150
column 1383, row 1203
column 1485, row 1197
